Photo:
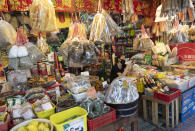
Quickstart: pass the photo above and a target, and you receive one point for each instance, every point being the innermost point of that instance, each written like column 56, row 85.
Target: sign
column 185, row 51
column 105, row 84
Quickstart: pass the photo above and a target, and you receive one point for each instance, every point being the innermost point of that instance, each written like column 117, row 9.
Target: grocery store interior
column 97, row 65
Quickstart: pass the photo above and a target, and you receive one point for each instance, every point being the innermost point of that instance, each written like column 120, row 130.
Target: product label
column 105, row 84
column 76, row 125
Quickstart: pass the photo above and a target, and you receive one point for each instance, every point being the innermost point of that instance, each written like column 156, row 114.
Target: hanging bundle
column 103, row 26
column 18, row 54
column 77, row 50
column 7, row 34
column 42, row 16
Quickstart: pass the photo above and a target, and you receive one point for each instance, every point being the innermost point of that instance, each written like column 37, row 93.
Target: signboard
column 185, row 51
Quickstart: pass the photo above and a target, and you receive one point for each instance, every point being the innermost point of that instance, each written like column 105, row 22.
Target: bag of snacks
column 42, row 45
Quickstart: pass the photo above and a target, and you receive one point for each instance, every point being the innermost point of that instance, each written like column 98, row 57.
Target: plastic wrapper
column 13, row 63
column 95, row 107
column 7, row 34
column 146, row 44
column 42, row 16
column 99, row 29
column 34, row 53
column 78, row 84
column 17, row 79
column 34, row 91
column 25, row 62
column 76, row 51
column 13, row 52
column 22, row 51
column 122, row 90
column 42, row 45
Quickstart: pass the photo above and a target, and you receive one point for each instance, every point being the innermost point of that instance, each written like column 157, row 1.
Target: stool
column 174, row 110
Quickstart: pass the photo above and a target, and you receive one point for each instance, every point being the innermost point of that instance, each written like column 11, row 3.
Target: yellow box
column 45, row 114
column 61, row 120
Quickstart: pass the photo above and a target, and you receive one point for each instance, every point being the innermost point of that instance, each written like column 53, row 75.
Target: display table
column 174, row 110
column 121, row 122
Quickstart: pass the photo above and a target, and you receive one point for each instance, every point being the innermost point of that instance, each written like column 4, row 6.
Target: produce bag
column 103, row 26
column 42, row 16
column 34, row 53
column 78, row 84
column 25, row 62
column 42, row 45
column 7, row 34
column 17, row 80
column 122, row 91
column 13, row 63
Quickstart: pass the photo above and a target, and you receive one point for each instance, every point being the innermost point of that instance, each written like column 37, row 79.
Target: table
column 174, row 110
column 121, row 122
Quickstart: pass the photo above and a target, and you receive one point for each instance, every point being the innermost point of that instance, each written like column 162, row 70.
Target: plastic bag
column 22, row 51
column 7, row 34
column 78, row 84
column 18, row 80
column 13, row 63
column 25, row 62
column 122, row 90
column 34, row 53
column 42, row 45
column 42, row 16
column 13, row 52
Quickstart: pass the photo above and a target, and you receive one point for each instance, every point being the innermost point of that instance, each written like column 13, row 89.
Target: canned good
column 42, row 69
column 34, row 71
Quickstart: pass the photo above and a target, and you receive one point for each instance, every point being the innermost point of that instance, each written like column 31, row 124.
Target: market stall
column 71, row 65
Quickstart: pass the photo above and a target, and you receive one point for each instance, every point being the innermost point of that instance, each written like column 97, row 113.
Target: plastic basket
column 45, row 114
column 4, row 126
column 140, row 87
column 102, row 120
column 25, row 123
column 166, row 97
column 62, row 121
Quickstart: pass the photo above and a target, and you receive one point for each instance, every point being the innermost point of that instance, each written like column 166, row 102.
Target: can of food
column 34, row 71
column 42, row 69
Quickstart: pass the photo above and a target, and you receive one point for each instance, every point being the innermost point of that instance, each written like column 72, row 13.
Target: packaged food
column 42, row 16
column 121, row 91
column 7, row 34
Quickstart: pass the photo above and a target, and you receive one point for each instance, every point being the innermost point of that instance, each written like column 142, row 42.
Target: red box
column 101, row 120
column 166, row 97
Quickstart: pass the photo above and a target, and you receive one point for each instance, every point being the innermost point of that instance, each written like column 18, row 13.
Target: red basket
column 102, row 120
column 166, row 97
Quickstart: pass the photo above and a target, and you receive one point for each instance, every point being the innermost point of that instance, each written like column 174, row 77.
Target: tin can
column 42, row 69
column 34, row 71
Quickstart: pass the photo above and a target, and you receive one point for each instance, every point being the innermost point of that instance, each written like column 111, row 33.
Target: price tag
column 125, row 84
column 91, row 93
column 105, row 84
column 86, row 73
column 57, row 91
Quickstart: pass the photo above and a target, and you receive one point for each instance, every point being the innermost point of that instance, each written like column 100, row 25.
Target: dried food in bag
column 78, row 84
column 25, row 62
column 13, row 63
column 17, row 77
column 42, row 16
column 42, row 45
column 34, row 53
column 7, row 34
column 34, row 91
column 122, row 91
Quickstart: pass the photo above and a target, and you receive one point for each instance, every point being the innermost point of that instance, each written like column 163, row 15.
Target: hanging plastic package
column 42, row 16
column 42, row 45
column 7, row 34
column 34, row 53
